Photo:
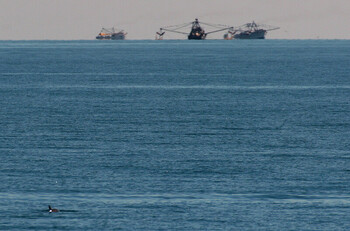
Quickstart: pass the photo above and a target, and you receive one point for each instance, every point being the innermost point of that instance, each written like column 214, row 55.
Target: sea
column 175, row 135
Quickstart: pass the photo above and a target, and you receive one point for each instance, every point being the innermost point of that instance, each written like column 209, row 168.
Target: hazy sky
column 83, row 19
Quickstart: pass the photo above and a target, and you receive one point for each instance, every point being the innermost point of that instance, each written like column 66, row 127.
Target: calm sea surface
column 175, row 135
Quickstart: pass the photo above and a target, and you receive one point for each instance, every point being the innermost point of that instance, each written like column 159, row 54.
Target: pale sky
column 83, row 19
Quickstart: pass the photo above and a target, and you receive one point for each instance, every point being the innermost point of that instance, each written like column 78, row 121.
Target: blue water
column 175, row 135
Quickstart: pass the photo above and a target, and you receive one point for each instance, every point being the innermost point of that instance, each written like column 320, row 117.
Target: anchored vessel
column 111, row 34
column 249, row 31
column 197, row 32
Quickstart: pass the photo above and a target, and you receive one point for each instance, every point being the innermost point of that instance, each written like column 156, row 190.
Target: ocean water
column 175, row 135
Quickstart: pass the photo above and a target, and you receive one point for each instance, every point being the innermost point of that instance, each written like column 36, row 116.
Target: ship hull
column 197, row 34
column 259, row 34
column 116, row 36
column 190, row 37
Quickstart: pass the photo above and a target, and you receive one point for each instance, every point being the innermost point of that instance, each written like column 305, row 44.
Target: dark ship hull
column 116, row 36
column 196, row 37
column 257, row 34
column 197, row 34
column 111, row 34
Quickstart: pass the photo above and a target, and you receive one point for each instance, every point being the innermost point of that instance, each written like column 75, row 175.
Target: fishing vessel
column 249, row 31
column 197, row 32
column 111, row 34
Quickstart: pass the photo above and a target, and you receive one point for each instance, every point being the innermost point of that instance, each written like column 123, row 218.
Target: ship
column 249, row 31
column 197, row 32
column 111, row 34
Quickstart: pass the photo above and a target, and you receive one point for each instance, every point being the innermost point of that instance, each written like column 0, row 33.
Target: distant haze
column 83, row 19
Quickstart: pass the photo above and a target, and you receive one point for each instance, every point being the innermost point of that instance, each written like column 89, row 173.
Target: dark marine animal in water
column 51, row 210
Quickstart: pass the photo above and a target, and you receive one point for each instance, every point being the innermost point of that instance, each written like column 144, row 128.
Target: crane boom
column 228, row 28
column 179, row 32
